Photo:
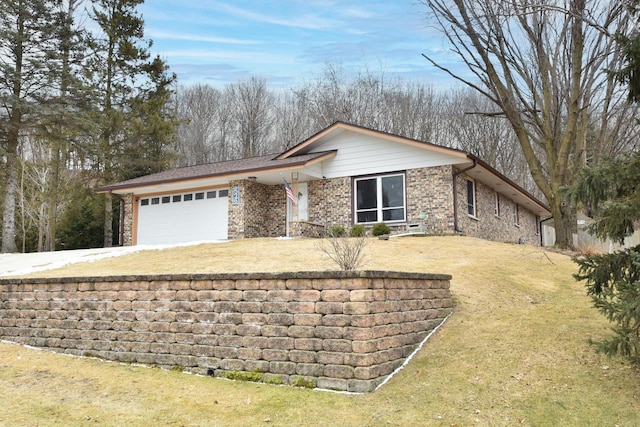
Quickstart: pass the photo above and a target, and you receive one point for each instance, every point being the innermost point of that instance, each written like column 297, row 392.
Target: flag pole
column 290, row 202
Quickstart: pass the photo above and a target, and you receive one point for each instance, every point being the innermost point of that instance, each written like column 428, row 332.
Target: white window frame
column 379, row 208
column 474, row 205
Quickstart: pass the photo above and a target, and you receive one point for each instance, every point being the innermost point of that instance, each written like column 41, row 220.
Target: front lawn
column 514, row 352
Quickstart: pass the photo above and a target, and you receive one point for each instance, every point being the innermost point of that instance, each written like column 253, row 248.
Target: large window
column 380, row 199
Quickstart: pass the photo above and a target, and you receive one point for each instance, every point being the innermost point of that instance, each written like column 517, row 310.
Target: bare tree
column 346, row 252
column 541, row 63
column 253, row 107
column 293, row 122
column 198, row 108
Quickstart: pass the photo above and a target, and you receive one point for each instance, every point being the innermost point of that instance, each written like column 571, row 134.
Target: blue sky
column 290, row 42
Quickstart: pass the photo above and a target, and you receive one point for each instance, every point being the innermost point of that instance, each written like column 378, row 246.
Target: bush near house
column 357, row 231
column 380, row 229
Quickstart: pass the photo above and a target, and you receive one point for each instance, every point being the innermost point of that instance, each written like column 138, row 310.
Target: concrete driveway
column 18, row 264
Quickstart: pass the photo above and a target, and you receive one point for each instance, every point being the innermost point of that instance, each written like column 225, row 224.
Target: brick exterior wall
column 127, row 233
column 334, row 330
column 306, row 229
column 429, row 190
column 330, row 202
column 486, row 225
column 261, row 211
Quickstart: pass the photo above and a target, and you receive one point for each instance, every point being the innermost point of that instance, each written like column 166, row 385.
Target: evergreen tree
column 65, row 121
column 26, row 29
column 133, row 90
column 611, row 193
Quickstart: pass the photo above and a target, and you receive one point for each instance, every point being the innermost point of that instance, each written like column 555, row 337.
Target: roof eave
column 508, row 181
column 348, row 126
column 289, row 166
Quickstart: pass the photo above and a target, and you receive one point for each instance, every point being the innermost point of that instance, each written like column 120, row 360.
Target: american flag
column 289, row 191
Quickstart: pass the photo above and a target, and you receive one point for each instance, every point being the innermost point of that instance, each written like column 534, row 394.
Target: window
column 188, row 197
column 199, row 196
column 471, row 198
column 379, row 199
column 211, row 194
column 166, row 199
column 536, row 224
column 144, row 202
column 223, row 193
column 496, row 208
column 155, row 201
column 177, row 198
column 516, row 215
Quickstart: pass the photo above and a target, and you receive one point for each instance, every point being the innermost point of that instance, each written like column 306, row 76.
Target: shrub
column 357, row 231
column 347, row 252
column 336, row 231
column 380, row 229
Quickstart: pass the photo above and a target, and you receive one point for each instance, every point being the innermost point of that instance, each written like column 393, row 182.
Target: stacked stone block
column 337, row 330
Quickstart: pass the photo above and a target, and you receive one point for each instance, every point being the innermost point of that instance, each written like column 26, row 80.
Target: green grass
column 514, row 352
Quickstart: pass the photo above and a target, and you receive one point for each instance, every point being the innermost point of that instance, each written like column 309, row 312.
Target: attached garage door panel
column 184, row 217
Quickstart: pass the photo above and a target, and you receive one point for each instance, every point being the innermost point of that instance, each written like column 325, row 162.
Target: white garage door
column 183, row 217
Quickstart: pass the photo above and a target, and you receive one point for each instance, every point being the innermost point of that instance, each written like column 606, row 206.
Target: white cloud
column 159, row 34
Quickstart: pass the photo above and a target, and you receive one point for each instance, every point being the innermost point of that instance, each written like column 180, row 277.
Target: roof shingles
column 230, row 167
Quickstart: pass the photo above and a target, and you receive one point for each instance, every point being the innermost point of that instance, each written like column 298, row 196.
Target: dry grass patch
column 514, row 352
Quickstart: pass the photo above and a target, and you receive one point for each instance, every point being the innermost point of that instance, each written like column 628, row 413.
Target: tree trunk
column 11, row 187
column 564, row 222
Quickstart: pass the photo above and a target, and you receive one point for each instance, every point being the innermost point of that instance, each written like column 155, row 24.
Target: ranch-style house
column 342, row 175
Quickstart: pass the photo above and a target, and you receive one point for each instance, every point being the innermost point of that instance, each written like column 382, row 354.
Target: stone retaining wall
column 333, row 330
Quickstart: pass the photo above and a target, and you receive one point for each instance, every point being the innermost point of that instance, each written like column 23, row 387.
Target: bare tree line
column 247, row 119
column 539, row 107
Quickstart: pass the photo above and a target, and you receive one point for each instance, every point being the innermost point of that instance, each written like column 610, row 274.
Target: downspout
column 121, row 225
column 455, row 193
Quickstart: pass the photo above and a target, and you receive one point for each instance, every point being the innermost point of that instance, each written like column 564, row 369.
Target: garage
column 183, row 217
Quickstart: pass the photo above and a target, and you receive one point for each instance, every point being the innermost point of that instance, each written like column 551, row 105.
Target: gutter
column 455, row 194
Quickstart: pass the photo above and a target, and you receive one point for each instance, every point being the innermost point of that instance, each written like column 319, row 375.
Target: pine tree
column 611, row 193
column 132, row 89
column 26, row 29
